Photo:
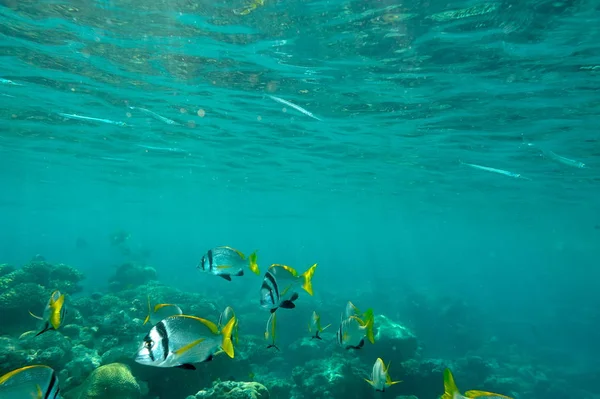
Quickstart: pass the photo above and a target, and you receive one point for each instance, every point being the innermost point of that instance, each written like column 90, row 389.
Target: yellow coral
column 111, row 381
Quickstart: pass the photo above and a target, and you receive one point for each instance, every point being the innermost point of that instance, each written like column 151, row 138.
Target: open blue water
column 377, row 189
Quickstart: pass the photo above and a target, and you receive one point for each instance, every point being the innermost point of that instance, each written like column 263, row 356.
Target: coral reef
column 111, row 381
column 130, row 275
column 233, row 390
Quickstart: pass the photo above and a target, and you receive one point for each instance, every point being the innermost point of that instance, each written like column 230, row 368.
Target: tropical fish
column 35, row 382
column 224, row 318
column 180, row 340
column 91, row 119
column 380, row 377
column 352, row 332
column 352, row 310
column 270, row 330
column 226, row 262
column 452, row 392
column 161, row 311
column 54, row 313
column 315, row 325
column 296, row 107
column 276, row 290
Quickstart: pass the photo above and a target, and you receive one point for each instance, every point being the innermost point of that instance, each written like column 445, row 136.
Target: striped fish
column 54, row 313
column 226, row 262
column 353, row 331
column 380, row 376
column 315, row 325
column 451, row 391
column 30, row 382
column 181, row 340
column 278, row 286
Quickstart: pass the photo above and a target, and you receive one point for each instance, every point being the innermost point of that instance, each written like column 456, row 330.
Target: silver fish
column 494, row 170
column 296, row 107
column 226, row 262
column 380, row 377
column 156, row 116
column 181, row 340
column 315, row 325
column 91, row 119
column 279, row 282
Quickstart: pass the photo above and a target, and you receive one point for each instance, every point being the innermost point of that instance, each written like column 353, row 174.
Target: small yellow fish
column 451, row 391
column 380, row 377
column 315, row 325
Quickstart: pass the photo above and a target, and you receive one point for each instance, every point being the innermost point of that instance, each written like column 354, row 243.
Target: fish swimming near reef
column 30, row 382
column 226, row 262
column 224, row 318
column 353, row 331
column 451, row 391
column 277, row 289
column 161, row 311
column 315, row 325
column 380, row 377
column 54, row 313
column 181, row 340
column 270, row 331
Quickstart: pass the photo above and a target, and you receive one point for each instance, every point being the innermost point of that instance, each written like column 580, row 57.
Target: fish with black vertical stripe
column 226, row 262
column 182, row 340
column 278, row 288
column 27, row 382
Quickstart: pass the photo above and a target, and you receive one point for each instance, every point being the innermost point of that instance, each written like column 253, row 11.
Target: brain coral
column 111, row 381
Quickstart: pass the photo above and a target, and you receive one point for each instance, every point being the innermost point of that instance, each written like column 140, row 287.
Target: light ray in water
column 494, row 170
column 296, row 107
column 168, row 149
column 156, row 116
column 88, row 118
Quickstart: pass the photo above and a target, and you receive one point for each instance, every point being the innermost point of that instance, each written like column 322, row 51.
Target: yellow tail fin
column 227, row 344
column 252, row 263
column 307, row 277
column 450, row 388
column 483, row 394
column 369, row 318
column 147, row 319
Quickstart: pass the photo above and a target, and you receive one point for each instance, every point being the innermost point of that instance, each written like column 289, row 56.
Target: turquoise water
column 375, row 187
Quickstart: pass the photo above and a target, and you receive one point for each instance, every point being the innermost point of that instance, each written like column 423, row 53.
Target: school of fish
column 180, row 340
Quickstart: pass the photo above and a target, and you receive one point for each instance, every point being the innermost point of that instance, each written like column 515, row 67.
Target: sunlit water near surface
column 194, row 147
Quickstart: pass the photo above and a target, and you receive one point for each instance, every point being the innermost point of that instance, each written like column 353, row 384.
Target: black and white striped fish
column 278, row 286
column 226, row 262
column 353, row 331
column 30, row 382
column 181, row 340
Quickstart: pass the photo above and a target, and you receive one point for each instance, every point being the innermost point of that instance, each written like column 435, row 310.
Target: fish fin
column 361, row 344
column 222, row 267
column 273, row 346
column 227, row 344
column 325, row 328
column 147, row 319
column 186, row 366
column 240, row 273
column 479, row 394
column 274, row 309
column 187, row 347
column 56, row 317
column 47, row 327
column 370, row 382
column 294, row 297
column 37, row 317
column 252, row 263
column 225, row 276
column 287, row 304
column 450, row 388
column 370, row 323
column 307, row 276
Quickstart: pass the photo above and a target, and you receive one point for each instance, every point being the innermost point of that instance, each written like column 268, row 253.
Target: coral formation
column 111, row 381
column 233, row 390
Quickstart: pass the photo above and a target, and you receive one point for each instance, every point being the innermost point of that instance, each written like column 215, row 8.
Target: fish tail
column 227, row 343
column 252, row 263
column 47, row 327
column 147, row 319
column 450, row 388
column 307, row 277
column 370, row 324
column 483, row 394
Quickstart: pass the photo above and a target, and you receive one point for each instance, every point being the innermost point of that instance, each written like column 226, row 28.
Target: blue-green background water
column 375, row 192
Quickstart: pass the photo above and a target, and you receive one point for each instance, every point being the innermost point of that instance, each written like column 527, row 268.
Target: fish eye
column 148, row 344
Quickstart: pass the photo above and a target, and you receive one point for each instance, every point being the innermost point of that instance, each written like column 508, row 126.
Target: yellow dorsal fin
column 290, row 269
column 370, row 323
column 187, row 347
column 39, row 392
column 212, row 326
column 450, row 388
column 370, row 382
column 239, row 253
column 162, row 305
column 479, row 394
column 307, row 277
column 147, row 319
column 324, row 328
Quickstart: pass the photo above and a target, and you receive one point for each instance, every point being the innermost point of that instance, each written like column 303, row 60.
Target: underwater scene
column 294, row 199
